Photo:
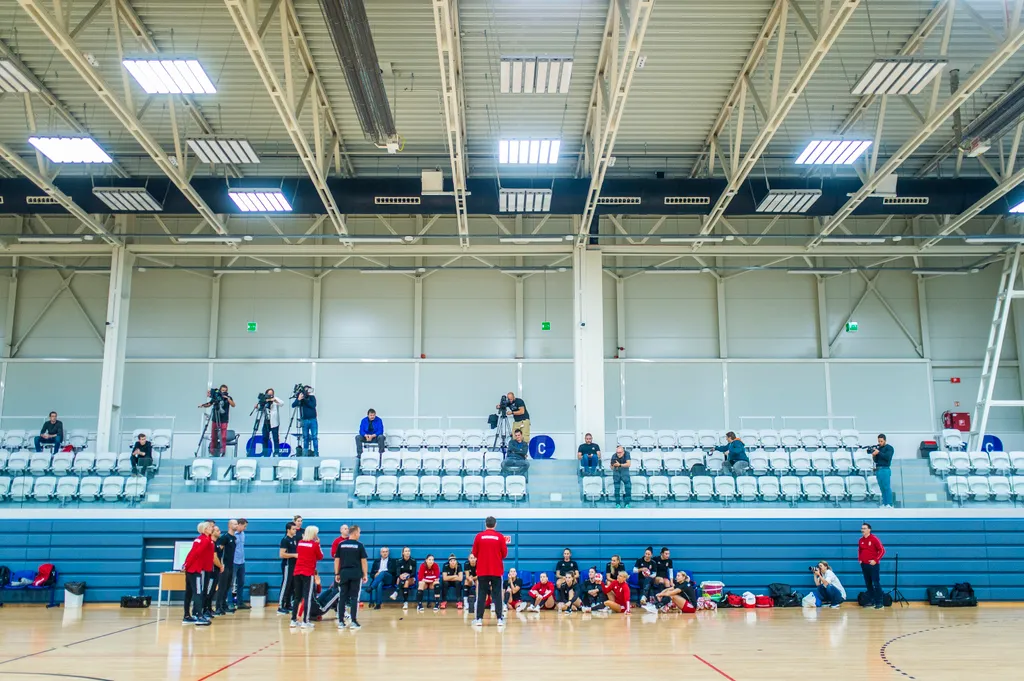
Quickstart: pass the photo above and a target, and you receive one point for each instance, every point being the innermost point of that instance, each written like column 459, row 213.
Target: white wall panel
column 878, row 335
column 169, row 315
column 550, row 389
column 35, row 388
column 612, row 395
column 779, row 389
column 166, row 389
column 611, row 337
column 466, row 389
column 1001, row 419
column 345, row 390
column 675, row 394
column 366, row 315
column 771, row 314
column 278, row 303
column 548, row 298
column 960, row 313
column 469, row 315
column 63, row 330
column 883, row 396
column 671, row 316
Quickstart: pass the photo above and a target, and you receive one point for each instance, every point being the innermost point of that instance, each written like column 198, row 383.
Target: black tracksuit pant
column 488, row 586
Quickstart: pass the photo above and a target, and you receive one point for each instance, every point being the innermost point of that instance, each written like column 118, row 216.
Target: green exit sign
column 545, row 326
column 251, row 327
column 851, row 327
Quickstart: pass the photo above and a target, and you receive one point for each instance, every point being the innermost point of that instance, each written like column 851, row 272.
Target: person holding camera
column 830, row 589
column 516, row 408
column 221, row 404
column 305, row 402
column 268, row 403
column 735, row 451
column 620, row 477
column 882, row 455
column 371, row 431
column 52, row 433
column 517, row 457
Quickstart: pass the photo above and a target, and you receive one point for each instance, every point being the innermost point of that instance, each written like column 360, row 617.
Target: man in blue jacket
column 305, row 402
column 371, row 431
column 736, row 453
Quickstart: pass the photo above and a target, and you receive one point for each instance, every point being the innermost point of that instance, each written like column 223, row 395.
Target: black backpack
column 937, row 594
column 5, row 576
column 961, row 596
column 864, row 599
column 783, row 596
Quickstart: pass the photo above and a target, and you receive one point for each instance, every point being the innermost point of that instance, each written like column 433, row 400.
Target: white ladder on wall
column 997, row 333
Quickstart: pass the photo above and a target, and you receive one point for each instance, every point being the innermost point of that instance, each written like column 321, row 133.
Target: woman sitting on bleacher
column 513, row 588
column 406, row 585
column 735, row 453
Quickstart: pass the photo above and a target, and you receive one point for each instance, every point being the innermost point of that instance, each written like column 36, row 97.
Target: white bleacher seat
column 790, row 487
column 958, row 487
column 646, row 440
column 408, row 487
column 780, row 461
column 703, row 487
column 707, row 439
column 842, row 461
column 609, row 487
column 246, row 469
column 800, row 461
column 161, row 439
column 78, row 439
column 390, row 461
column 515, row 487
column 769, row 439
column 999, row 485
column 430, row 487
column 810, row 438
column 67, row 488
column 369, row 461
column 862, row 461
column 387, row 487
column 1000, row 462
column 829, row 439
column 105, row 463
column 473, row 462
column 725, row 488
column 451, row 461
column 625, row 439
column 835, row 487
column 874, row 491
column 474, row 439
column 960, row 462
column 454, row 438
column 18, row 462
column 287, row 470
column 394, row 439
column 672, row 461
column 62, row 462
column 821, row 461
column 15, row 440
column 686, row 440
column 980, row 463
column 113, row 488
column 39, row 462
column 746, row 487
column 715, row 461
column 124, row 463
column 411, row 461
column 978, row 485
column 366, row 486
column 850, row 438
column 413, row 440
column 21, row 487
column 952, row 439
column 135, row 488
column 593, row 487
column 433, row 462
column 434, row 438
column 89, row 488
column 693, row 458
column 202, row 469
column 857, row 488
column 681, row 487
column 759, row 461
column 84, row 463
column 473, row 487
column 666, row 440
column 1017, row 461
column 451, row 487
column 659, row 487
column 650, row 461
column 492, row 461
column 44, row 488
column 638, row 489
column 329, row 470
column 494, row 487
column 789, row 438
column 4, row 454
column 814, row 488
column 1017, row 485
column 769, row 488
column 750, row 438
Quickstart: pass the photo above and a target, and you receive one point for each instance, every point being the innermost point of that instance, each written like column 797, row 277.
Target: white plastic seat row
column 981, row 488
column 431, row 487
column 64, row 488
column 431, row 462
column 435, row 439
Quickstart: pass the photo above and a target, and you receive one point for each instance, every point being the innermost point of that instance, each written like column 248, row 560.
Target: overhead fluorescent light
column 170, row 76
column 223, row 151
column 854, row 240
column 789, row 200
column 260, row 200
column 524, row 200
column 215, row 239
column 704, row 270
column 1019, row 208
column 70, row 149
column 379, row 239
column 50, row 239
column 395, row 270
column 535, row 75
column 994, row 240
column 815, row 271
column 535, row 239
column 832, row 152
column 128, row 199
column 248, row 270
column 898, row 76
column 692, row 239
column 940, row 272
column 536, row 152
column 12, row 79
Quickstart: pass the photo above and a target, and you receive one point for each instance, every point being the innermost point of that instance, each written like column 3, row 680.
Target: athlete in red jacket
column 543, row 594
column 618, row 593
column 869, row 553
column 429, row 575
column 198, row 562
column 490, row 550
column 309, row 552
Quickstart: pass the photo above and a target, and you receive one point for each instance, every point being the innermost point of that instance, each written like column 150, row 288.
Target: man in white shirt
column 830, row 589
column 383, row 575
column 271, row 424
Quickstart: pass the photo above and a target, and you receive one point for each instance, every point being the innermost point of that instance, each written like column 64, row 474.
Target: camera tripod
column 207, row 420
column 262, row 411
column 502, row 432
column 895, row 594
column 298, row 434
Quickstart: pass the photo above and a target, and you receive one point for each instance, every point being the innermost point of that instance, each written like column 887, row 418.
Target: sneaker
column 618, row 505
column 501, row 621
column 459, row 606
column 243, row 606
column 443, row 606
column 307, row 625
column 643, row 600
column 878, row 607
column 405, row 606
column 834, row 606
column 282, row 611
column 376, row 606
column 436, row 608
column 627, row 505
column 208, row 614
column 188, row 620
column 523, row 605
column 354, row 626
column 394, row 596
column 651, row 608
column 202, row 622
column 477, row 623
column 586, row 608
column 341, row 624
column 419, row 608
column 534, row 608
column 567, row 611
column 219, row 613
column 293, row 624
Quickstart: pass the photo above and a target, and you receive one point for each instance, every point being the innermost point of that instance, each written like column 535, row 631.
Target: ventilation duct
column 994, row 123
column 353, row 41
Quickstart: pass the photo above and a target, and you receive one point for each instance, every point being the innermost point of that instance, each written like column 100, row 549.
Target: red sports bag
column 763, row 601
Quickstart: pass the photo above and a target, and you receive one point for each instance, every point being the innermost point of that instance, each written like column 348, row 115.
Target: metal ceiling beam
column 984, row 71
column 1001, row 190
column 249, row 32
column 742, row 168
column 449, row 56
column 609, row 94
column 52, row 29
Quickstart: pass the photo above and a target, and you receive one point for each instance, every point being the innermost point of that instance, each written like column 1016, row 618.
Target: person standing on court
column 309, row 554
column 350, row 573
column 490, row 550
column 198, row 562
column 227, row 545
column 869, row 553
column 239, row 567
column 882, row 455
column 287, row 552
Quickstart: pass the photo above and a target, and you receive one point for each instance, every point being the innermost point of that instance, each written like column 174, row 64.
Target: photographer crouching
column 516, row 408
column 305, row 402
column 830, row 589
column 220, row 404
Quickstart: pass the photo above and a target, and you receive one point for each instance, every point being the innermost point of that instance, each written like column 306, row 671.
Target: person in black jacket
column 305, row 401
column 645, row 570
column 383, row 575
column 52, row 433
column 142, row 455
column 406, row 582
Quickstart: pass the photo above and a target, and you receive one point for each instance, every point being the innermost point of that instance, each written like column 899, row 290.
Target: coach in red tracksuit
column 490, row 550
column 198, row 562
column 869, row 553
column 308, row 554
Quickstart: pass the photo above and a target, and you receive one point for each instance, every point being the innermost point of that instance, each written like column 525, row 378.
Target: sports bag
column 937, row 594
column 46, row 576
column 762, row 601
column 783, row 596
column 712, row 590
column 811, row 600
column 961, row 596
column 5, row 575
column 749, row 600
column 731, row 600
column 864, row 600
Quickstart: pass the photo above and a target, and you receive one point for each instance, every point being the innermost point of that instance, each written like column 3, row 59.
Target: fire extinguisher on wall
column 956, row 420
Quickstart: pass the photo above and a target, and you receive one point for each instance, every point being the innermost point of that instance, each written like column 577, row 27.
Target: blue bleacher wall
column 747, row 554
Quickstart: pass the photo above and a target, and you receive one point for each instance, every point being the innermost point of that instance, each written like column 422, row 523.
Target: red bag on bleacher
column 45, row 576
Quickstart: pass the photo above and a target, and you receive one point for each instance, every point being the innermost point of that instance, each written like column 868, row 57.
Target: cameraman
column 830, row 589
column 305, row 401
column 221, row 402
column 516, row 408
column 271, row 422
column 882, row 454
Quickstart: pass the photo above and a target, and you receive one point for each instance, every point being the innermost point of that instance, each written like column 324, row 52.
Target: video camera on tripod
column 301, row 388
column 502, row 413
column 499, row 422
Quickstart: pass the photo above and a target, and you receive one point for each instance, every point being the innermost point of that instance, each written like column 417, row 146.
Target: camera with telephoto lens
column 503, row 403
column 262, row 399
column 215, row 395
column 301, row 388
column 813, row 568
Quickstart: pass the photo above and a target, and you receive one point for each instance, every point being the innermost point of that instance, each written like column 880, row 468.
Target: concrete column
column 314, row 332
column 114, row 345
column 520, row 320
column 588, row 341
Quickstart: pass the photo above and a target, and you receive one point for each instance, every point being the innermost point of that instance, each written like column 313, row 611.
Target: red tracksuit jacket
column 431, row 574
column 619, row 591
column 869, row 549
column 490, row 550
column 542, row 589
column 200, row 556
column 309, row 553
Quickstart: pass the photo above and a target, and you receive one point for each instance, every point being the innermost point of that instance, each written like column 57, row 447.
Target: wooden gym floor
column 103, row 643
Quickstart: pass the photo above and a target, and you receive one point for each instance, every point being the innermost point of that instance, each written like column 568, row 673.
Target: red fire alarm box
column 957, row 420
column 955, row 379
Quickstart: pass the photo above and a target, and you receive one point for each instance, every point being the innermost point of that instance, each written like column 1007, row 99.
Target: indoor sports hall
column 492, row 339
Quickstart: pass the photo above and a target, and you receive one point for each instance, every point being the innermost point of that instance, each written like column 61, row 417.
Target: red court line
column 705, row 662
column 232, row 664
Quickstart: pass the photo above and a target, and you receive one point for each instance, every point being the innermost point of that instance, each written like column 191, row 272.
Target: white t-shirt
column 831, row 579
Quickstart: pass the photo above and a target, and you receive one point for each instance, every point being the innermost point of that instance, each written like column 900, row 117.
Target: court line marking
column 714, row 667
column 58, row 676
column 241, row 659
column 22, row 657
column 885, row 646
column 144, row 624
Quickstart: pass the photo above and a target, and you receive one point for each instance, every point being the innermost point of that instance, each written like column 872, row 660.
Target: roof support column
column 114, row 345
column 588, row 340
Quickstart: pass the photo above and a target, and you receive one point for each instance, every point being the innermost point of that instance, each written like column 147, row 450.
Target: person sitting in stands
column 371, row 432
column 513, row 589
column 679, row 593
column 428, row 577
column 618, row 594
column 736, row 453
column 593, row 594
column 589, row 455
column 568, row 594
column 451, row 582
column 542, row 594
column 52, row 433
column 517, row 458
column 142, row 455
column 407, row 581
